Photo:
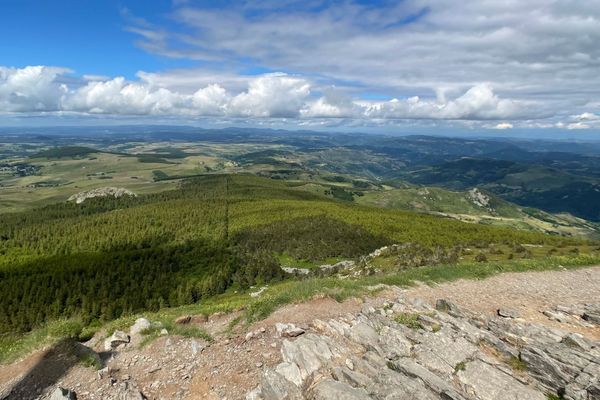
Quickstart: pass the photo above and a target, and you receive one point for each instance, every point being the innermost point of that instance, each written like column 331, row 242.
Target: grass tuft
column 516, row 364
column 410, row 320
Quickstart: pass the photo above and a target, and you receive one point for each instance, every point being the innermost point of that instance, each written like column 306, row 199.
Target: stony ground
column 404, row 344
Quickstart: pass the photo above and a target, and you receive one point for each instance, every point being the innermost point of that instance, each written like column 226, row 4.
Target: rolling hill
column 477, row 206
column 107, row 257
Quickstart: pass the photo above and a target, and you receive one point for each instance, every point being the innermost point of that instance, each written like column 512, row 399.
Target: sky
column 494, row 66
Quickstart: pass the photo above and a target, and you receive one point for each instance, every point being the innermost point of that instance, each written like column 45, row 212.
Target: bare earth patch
column 530, row 293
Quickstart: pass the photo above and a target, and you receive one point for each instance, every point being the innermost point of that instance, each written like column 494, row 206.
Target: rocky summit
column 408, row 349
column 101, row 192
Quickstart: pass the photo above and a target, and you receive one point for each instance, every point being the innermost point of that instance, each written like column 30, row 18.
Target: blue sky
column 87, row 36
column 314, row 64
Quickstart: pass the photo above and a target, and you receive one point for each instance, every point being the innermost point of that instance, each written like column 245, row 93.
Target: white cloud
column 272, row 95
column 34, row 88
column 275, row 95
column 587, row 116
column 211, row 100
column 578, row 125
column 117, row 96
column 478, row 103
column 504, row 125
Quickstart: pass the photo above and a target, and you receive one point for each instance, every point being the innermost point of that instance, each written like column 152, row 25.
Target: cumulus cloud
column 275, row 95
column 478, row 103
column 34, row 88
column 578, row 125
column 587, row 116
column 503, row 125
column 117, row 96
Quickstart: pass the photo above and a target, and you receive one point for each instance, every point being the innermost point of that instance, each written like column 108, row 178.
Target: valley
column 96, row 231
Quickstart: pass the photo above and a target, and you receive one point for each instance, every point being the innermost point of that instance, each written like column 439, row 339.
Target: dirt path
column 530, row 293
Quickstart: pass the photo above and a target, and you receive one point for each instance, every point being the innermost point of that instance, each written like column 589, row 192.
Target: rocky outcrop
column 101, row 192
column 478, row 198
column 409, row 350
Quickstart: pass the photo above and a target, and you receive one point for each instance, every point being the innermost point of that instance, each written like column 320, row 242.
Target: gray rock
column 450, row 308
column 487, row 382
column 558, row 316
column 365, row 335
column 101, row 192
column 255, row 394
column 332, row 390
column 393, row 343
column 576, row 310
column 296, row 271
column 441, row 353
column 276, row 387
column 428, row 323
column 291, row 372
column 410, row 368
column 591, row 317
column 508, row 313
column 196, row 347
column 116, row 339
column 140, row 325
column 288, row 330
column 389, row 361
column 578, row 341
column 63, row 394
column 309, row 352
column 354, row 378
column 549, row 372
column 129, row 393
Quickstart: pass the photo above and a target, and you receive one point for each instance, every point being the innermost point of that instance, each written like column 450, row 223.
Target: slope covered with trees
column 108, row 257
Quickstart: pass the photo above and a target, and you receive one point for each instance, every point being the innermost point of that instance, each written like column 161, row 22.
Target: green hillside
column 105, row 257
column 547, row 188
column 477, row 206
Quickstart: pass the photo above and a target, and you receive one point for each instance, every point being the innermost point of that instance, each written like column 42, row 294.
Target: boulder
column 288, row 330
column 276, row 387
column 116, row 339
column 291, row 372
column 140, row 325
column 63, row 394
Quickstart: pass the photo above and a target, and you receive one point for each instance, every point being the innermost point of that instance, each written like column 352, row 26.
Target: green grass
column 89, row 360
column 188, row 331
column 460, row 206
column 410, row 320
column 461, row 366
column 516, row 364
